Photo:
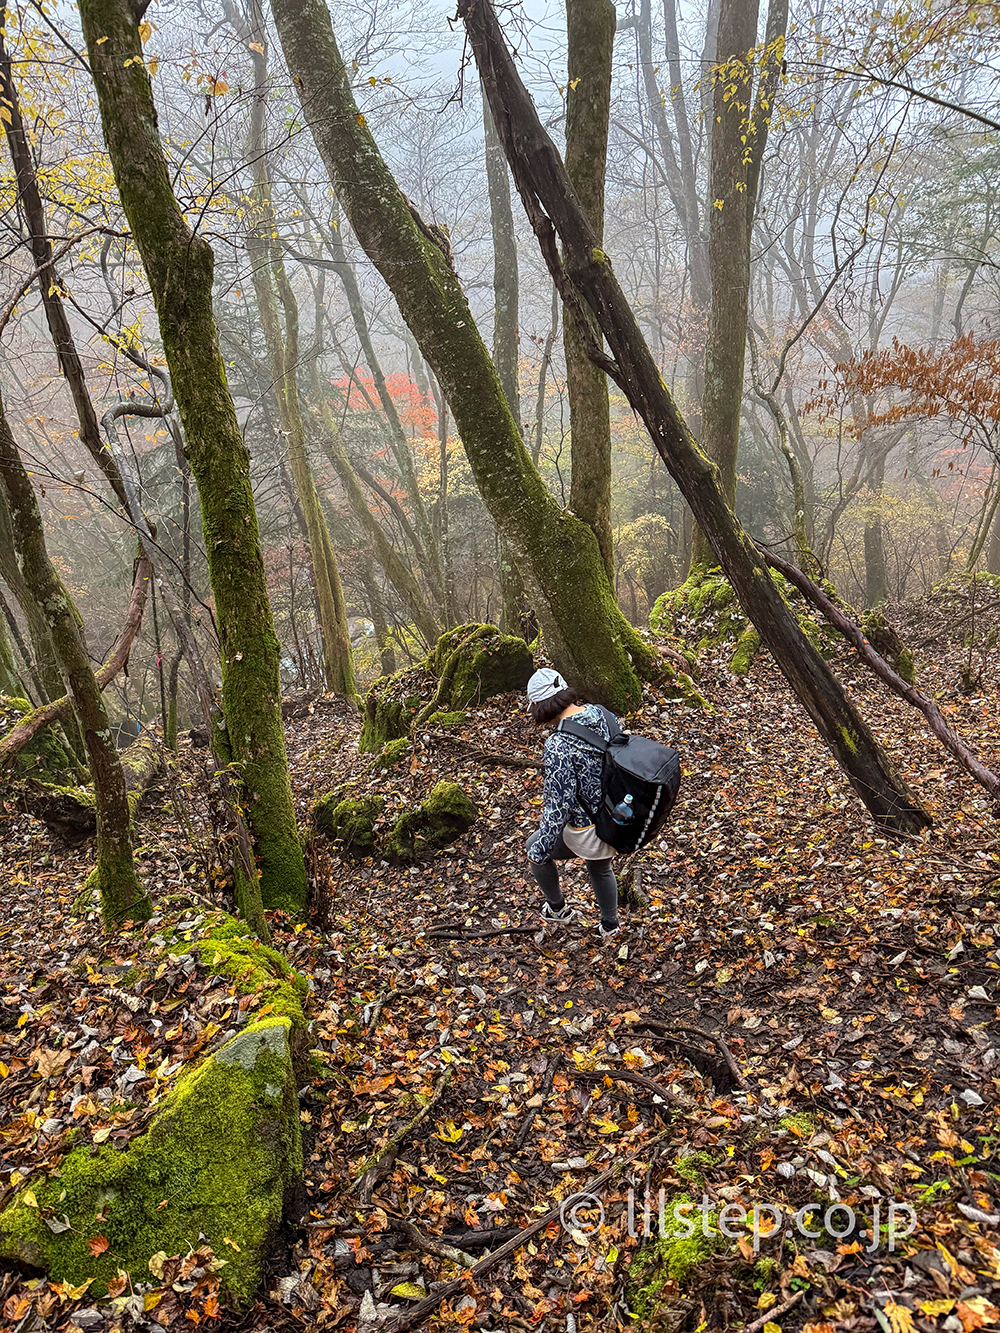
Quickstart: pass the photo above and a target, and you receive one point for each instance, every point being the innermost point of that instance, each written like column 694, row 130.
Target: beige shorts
column 585, row 842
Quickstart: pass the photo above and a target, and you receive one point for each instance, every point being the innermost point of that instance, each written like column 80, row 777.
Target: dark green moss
column 475, row 662
column 394, row 753
column 442, row 818
column 390, row 707
column 46, row 757
column 216, row 1165
column 446, row 719
column 349, row 822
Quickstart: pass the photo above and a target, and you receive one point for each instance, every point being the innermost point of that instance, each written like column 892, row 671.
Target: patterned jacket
column 572, row 769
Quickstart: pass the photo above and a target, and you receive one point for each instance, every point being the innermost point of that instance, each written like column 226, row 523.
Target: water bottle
column 623, row 812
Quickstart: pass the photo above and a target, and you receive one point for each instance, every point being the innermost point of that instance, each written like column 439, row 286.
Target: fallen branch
column 32, row 723
column 773, row 1313
column 391, row 994
column 492, row 756
column 431, row 1246
column 855, row 637
column 543, row 1092
column 444, row 933
column 379, row 1166
column 483, row 1239
column 429, row 1305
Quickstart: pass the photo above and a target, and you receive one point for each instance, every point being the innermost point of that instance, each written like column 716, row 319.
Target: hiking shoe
column 563, row 917
column 608, row 933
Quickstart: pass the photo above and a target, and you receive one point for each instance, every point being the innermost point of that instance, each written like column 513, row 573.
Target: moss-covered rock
column 349, row 821
column 390, row 707
column 885, row 639
column 219, row 1160
column 703, row 613
column 475, row 662
column 394, row 753
column 445, row 720
column 230, row 950
column 439, row 820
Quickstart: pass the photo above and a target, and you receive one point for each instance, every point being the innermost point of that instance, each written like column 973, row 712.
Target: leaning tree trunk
column 559, row 560
column 728, row 251
column 584, row 274
column 590, row 30
column 179, row 267
column 122, row 896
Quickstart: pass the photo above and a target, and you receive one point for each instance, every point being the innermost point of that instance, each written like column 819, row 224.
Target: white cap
column 545, row 683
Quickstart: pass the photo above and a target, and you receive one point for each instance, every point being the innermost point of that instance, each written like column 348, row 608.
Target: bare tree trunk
column 876, row 576
column 179, row 267
column 728, row 251
column 122, row 895
column 590, row 29
column 584, row 273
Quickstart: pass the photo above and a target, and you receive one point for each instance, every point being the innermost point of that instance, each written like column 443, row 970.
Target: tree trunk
column 728, row 251
column 993, row 550
column 876, row 575
column 585, row 272
column 588, row 638
column 71, row 812
column 45, row 661
column 270, row 283
column 505, row 337
column 590, row 30
column 10, row 681
column 179, row 267
column 122, row 896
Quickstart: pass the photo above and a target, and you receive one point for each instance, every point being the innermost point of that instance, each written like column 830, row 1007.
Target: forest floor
column 852, row 982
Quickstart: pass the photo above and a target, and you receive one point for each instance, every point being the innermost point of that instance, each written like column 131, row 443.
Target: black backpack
column 633, row 766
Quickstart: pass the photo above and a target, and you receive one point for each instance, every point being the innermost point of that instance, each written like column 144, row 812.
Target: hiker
column 573, row 771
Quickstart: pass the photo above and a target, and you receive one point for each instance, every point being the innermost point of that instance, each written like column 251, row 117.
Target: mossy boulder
column 230, row 950
column 438, row 821
column 390, row 707
column 444, row 721
column 217, row 1165
column 349, row 821
column 394, row 753
column 703, row 613
column 884, row 638
column 475, row 662
column 46, row 757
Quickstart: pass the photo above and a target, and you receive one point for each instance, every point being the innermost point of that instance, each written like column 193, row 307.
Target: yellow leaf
column 156, row 1263
column 630, row 1016
column 767, row 1299
column 943, row 1306
column 771, row 1327
column 101, row 41
column 409, row 1291
column 448, row 1131
column 145, row 31
column 152, row 65
column 4, row 1071
column 361, row 119
column 256, row 46
column 28, row 1199
column 4, row 115
column 151, row 1300
column 900, row 1319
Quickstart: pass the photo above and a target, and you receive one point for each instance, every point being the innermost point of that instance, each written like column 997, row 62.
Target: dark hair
column 549, row 709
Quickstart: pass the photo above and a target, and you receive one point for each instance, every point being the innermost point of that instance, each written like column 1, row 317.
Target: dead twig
column 433, row 1246
column 445, row 933
column 543, row 1092
column 773, row 1313
column 379, row 1166
column 491, row 756
column 390, row 993
column 626, row 1076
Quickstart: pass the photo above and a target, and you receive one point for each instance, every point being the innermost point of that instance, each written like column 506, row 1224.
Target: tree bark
column 558, row 558
column 45, row 660
column 876, row 575
column 585, row 272
column 728, row 250
column 590, row 30
column 270, row 282
column 179, row 267
column 122, row 896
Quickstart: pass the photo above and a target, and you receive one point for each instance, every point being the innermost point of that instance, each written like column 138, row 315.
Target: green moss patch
column 350, row 822
column 218, row 1161
column 661, row 1270
column 394, row 753
column 46, row 757
column 703, row 613
column 439, row 820
column 390, row 707
column 476, row 662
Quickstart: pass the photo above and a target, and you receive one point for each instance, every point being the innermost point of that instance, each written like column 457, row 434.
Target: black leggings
column 602, row 880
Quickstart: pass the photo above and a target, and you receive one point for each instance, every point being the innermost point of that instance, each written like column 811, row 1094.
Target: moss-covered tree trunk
column 728, row 251
column 45, row 661
column 590, row 30
column 558, row 556
column 122, row 896
column 584, row 273
column 10, row 681
column 179, row 267
column 270, row 282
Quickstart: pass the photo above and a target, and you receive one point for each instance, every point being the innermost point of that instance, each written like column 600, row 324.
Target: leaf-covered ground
column 804, row 1013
